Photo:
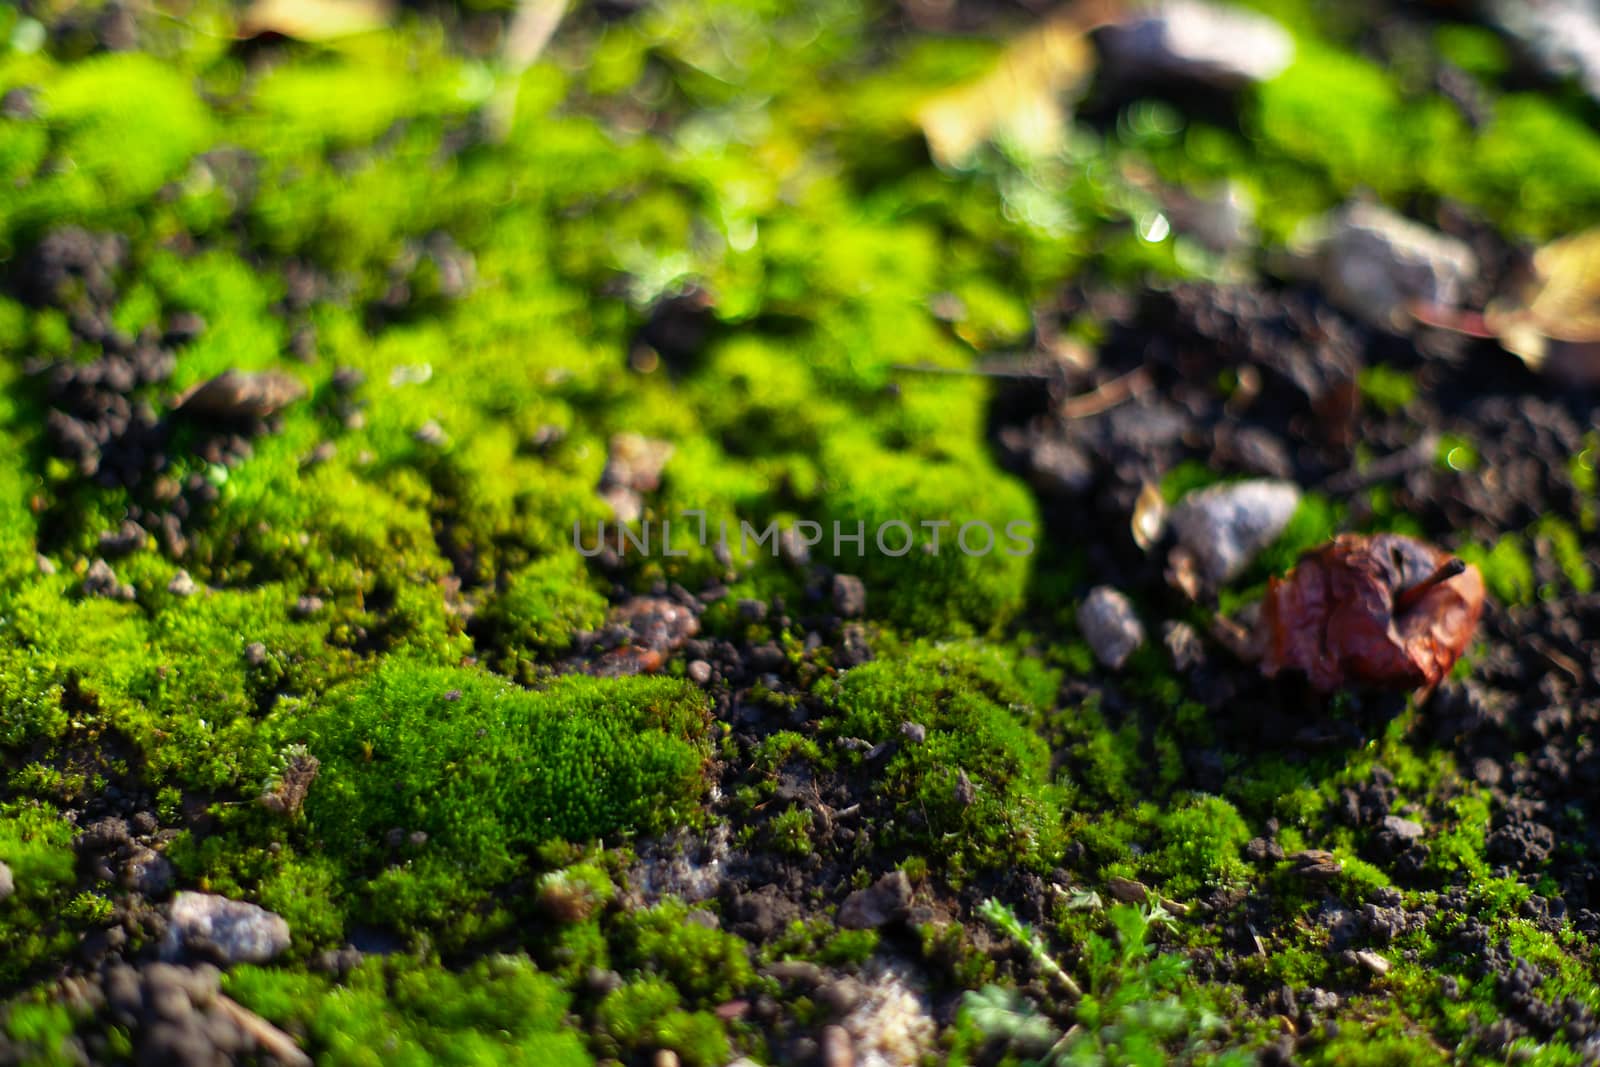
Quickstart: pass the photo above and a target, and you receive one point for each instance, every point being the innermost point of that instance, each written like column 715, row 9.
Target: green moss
column 35, row 842
column 41, row 1028
column 1386, row 388
column 405, row 1011
column 127, row 124
column 1507, row 571
column 1380, row 1047
column 646, row 1015
column 543, row 606
column 849, row 947
column 1200, row 843
column 1475, row 49
column 1565, row 546
column 796, row 194
column 485, row 770
column 790, row 831
column 977, row 579
column 706, row 965
column 979, row 724
column 781, row 747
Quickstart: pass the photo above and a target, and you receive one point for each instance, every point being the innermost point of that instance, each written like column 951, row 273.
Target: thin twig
column 1000, row 373
column 1394, row 465
column 1117, row 391
column 273, row 1041
column 531, row 29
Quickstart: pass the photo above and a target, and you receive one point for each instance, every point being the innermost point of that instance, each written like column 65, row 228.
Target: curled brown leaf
column 1383, row 610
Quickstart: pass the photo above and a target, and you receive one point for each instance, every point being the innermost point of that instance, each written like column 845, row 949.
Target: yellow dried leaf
column 1149, row 517
column 1024, row 97
column 315, row 20
column 1561, row 303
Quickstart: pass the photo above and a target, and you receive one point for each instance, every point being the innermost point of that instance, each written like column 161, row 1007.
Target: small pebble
column 431, row 434
column 1127, row 890
column 1191, row 41
column 102, row 581
column 1374, row 962
column 699, row 671
column 836, row 1047
column 182, row 585
column 242, row 395
column 1374, row 262
column 849, row 596
column 1183, row 644
column 878, row 905
column 1404, row 829
column 1225, row 527
column 1110, row 625
column 231, row 930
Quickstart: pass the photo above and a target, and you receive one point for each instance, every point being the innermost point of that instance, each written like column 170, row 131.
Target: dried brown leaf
column 1384, row 610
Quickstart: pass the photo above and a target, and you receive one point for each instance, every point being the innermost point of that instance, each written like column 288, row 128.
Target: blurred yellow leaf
column 1025, row 96
column 1560, row 303
column 315, row 20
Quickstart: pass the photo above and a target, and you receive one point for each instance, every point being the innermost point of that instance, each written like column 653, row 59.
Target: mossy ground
column 387, row 579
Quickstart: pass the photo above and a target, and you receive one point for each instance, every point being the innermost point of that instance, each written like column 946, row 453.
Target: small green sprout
column 1007, row 922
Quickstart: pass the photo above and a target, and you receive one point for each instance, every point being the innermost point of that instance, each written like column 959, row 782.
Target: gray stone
column 1060, row 468
column 237, row 394
column 849, row 596
column 182, row 585
column 1562, row 36
column 840, row 997
column 878, row 905
column 1110, row 625
column 8, row 885
column 431, row 434
column 1374, row 962
column 633, row 468
column 102, row 581
column 1127, row 890
column 1183, row 644
column 1225, row 527
column 1187, row 40
column 147, row 872
column 1373, row 263
column 230, row 930
column 1404, row 829
column 837, row 1049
